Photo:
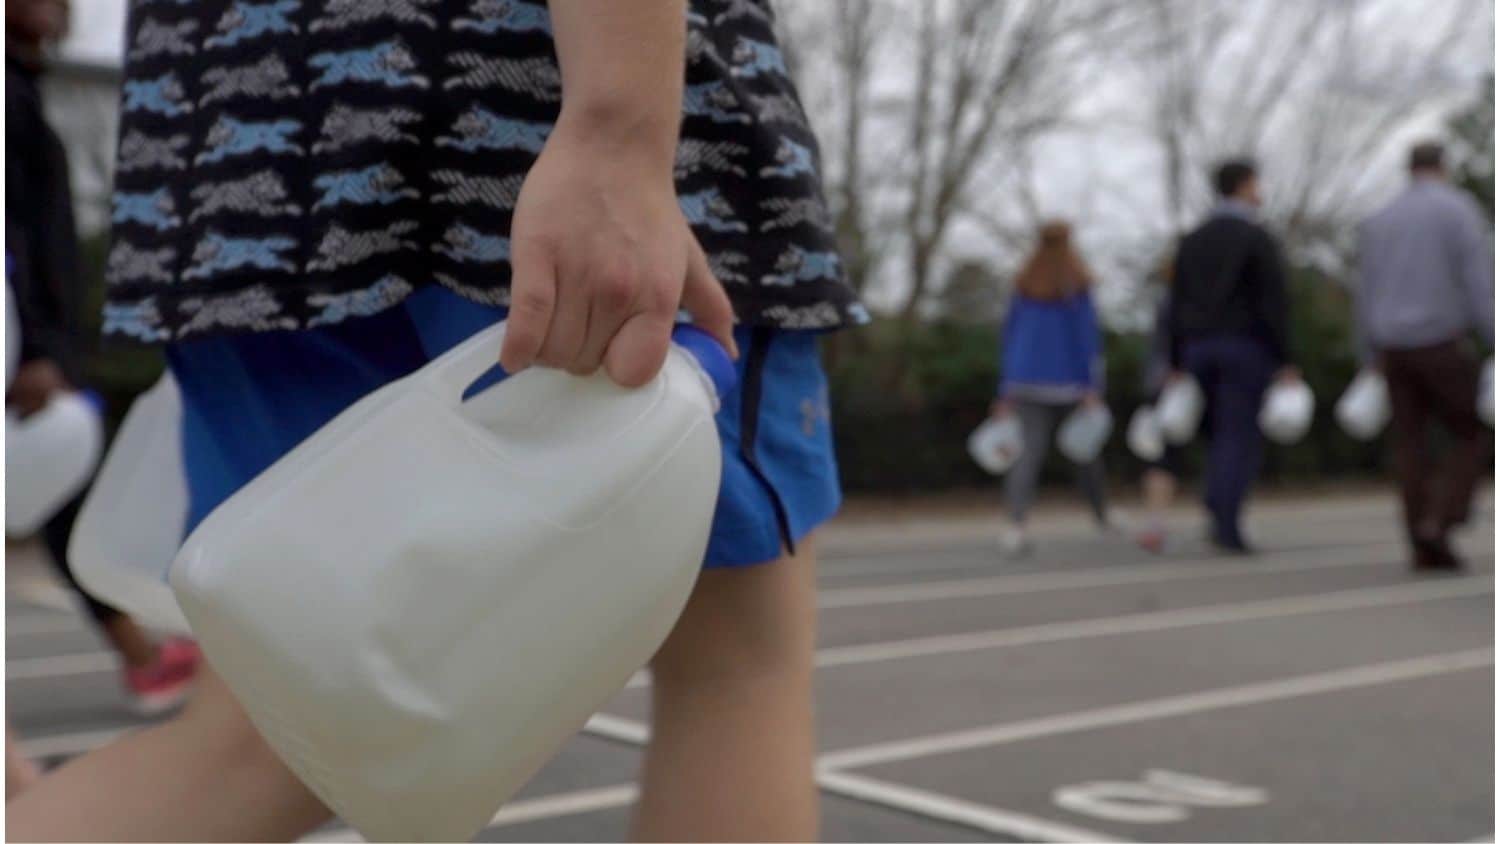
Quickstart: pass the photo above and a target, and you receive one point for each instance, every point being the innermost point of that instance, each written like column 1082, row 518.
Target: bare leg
column 731, row 755
column 206, row 775
column 1160, row 488
column 134, row 646
column 20, row 772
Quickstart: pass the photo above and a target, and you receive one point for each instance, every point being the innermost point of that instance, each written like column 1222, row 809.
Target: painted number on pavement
column 1158, row 797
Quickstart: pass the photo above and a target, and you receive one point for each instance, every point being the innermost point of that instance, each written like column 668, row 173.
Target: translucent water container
column 1083, row 434
column 132, row 521
column 1143, row 435
column 1364, row 409
column 422, row 601
column 997, row 443
column 1286, row 414
column 1179, row 410
column 49, row 457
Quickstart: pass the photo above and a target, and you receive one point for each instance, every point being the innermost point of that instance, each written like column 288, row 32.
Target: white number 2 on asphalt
column 1158, row 797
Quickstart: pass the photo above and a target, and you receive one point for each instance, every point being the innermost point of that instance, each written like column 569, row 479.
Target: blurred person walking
column 1051, row 363
column 1227, row 317
column 42, row 251
column 1426, row 284
column 1160, row 479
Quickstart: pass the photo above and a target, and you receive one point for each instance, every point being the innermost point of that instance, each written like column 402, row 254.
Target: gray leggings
column 1039, row 423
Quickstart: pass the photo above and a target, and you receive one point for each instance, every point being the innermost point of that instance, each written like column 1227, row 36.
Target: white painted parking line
column 69, row 744
column 48, row 624
column 1052, row 581
column 535, row 809
column 1343, row 600
column 941, row 807
column 1160, row 708
column 64, row 665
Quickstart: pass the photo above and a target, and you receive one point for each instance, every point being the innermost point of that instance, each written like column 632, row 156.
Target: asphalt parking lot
column 1317, row 692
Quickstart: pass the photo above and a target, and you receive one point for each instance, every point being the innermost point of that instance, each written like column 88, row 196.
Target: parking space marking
column 64, row 665
column 535, row 809
column 1052, row 581
column 69, row 744
column 1157, row 797
column 1161, row 708
column 45, row 624
column 941, row 807
column 1211, row 614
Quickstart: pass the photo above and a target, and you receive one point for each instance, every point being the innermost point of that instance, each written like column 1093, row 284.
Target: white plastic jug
column 49, row 456
column 132, row 521
column 1287, row 411
column 1143, row 435
column 1179, row 410
column 997, row 444
column 1486, row 402
column 1083, row 434
column 1365, row 408
column 421, row 602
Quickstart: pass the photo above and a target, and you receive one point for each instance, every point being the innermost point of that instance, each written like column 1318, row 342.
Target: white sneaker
column 1013, row 542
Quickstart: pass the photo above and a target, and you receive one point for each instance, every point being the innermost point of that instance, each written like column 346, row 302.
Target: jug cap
column 710, row 356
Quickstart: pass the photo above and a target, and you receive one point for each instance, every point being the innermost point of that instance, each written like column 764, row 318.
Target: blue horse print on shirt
column 479, row 128
column 141, row 320
column 799, row 265
column 162, row 95
column 230, row 136
column 379, row 184
column 217, row 254
column 245, row 21
column 792, row 160
column 462, row 243
column 708, row 209
column 337, row 307
column 388, row 63
column 756, row 58
column 155, row 209
column 492, row 16
column 714, row 101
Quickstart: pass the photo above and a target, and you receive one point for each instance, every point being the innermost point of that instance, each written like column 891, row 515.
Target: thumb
column 704, row 297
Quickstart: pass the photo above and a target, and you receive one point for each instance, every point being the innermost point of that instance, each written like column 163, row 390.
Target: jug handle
column 452, row 373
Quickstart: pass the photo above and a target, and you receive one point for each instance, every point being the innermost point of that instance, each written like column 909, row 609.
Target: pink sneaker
column 1152, row 539
column 164, row 684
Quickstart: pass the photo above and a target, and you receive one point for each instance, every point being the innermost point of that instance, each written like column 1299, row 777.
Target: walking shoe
column 1013, row 543
column 164, row 684
column 1153, row 539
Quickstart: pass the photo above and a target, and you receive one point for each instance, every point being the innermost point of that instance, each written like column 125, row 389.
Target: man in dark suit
column 1227, row 319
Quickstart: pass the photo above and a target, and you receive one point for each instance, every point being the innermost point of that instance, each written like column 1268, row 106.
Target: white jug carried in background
column 1083, row 434
column 1143, row 435
column 1179, row 410
column 49, row 456
column 1365, row 408
column 997, row 443
column 421, row 602
column 132, row 521
column 1287, row 412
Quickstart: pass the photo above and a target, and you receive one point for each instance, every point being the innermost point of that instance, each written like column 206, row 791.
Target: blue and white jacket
column 1051, row 351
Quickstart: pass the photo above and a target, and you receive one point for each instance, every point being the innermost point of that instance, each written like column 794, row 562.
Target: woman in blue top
column 1051, row 362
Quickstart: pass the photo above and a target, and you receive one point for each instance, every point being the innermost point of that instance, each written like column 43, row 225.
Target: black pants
column 1436, row 385
column 55, row 536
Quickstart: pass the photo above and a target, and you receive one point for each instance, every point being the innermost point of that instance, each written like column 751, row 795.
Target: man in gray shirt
column 1426, row 283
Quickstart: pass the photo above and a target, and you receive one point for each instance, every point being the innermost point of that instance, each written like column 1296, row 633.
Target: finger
column 638, row 351
column 533, row 293
column 570, row 322
column 614, row 296
column 704, row 297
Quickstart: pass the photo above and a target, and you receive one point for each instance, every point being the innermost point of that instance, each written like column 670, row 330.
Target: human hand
column 602, row 258
column 36, row 382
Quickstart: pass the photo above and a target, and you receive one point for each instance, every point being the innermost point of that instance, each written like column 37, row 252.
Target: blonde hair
column 1055, row 270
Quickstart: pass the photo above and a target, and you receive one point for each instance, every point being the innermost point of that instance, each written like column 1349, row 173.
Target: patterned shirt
column 285, row 164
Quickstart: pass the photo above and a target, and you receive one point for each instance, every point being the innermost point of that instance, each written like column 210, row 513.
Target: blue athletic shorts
column 250, row 398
